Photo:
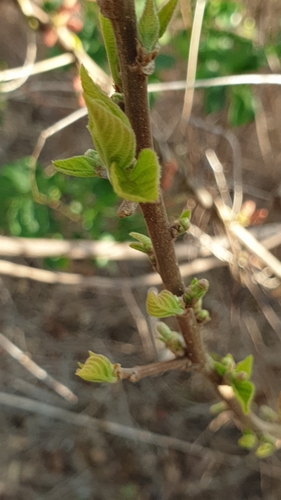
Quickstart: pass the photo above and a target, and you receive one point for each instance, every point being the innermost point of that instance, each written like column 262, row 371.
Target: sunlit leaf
column 246, row 365
column 139, row 183
column 97, row 368
column 163, row 305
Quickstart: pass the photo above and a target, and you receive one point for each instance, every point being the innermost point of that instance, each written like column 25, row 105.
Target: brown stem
column 137, row 372
column 134, row 82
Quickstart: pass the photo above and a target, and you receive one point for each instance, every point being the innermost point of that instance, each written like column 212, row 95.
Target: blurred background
column 62, row 438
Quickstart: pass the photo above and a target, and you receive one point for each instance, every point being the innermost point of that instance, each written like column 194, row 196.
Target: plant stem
column 134, row 82
column 137, row 372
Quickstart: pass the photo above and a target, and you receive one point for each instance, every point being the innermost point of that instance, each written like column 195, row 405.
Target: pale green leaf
column 78, row 166
column 246, row 365
column 220, row 368
column 114, row 141
column 163, row 330
column 163, row 305
column 165, row 15
column 92, row 92
column 111, row 49
column 218, row 408
column 97, row 368
column 143, row 239
column 139, row 183
column 248, row 440
column 148, row 26
column 244, row 391
column 265, row 450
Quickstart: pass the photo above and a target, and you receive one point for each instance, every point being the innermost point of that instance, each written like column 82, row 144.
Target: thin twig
column 31, row 52
column 36, row 68
column 36, row 370
column 139, row 435
column 219, row 81
column 268, row 234
column 141, row 323
column 217, row 168
column 146, row 280
column 138, row 372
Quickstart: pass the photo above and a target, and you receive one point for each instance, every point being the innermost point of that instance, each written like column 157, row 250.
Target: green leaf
column 139, row 183
column 248, row 440
column 220, row 368
column 244, row 391
column 172, row 340
column 114, row 141
column 218, row 408
column 111, row 49
column 265, row 450
column 164, row 331
column 241, row 109
column 79, row 166
column 109, row 127
column 228, row 362
column 148, row 26
column 97, row 368
column 163, row 305
column 165, row 15
column 196, row 290
column 92, row 91
column 245, row 365
column 143, row 239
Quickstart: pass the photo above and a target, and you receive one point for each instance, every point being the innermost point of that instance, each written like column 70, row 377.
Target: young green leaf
column 244, row 391
column 246, row 365
column 172, row 340
column 139, row 183
column 196, row 290
column 163, row 305
column 165, row 15
column 145, row 241
column 111, row 49
column 92, row 91
column 148, row 26
column 220, row 368
column 218, row 408
column 97, row 368
column 114, row 141
column 248, row 440
column 265, row 450
column 80, row 166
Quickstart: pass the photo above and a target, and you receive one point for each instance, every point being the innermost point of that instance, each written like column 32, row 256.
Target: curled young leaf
column 148, row 26
column 172, row 340
column 111, row 49
column 144, row 244
column 97, row 368
column 165, row 14
column 244, row 391
column 163, row 305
